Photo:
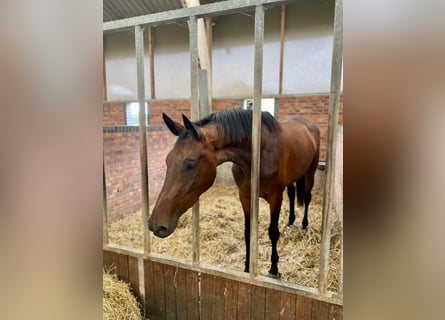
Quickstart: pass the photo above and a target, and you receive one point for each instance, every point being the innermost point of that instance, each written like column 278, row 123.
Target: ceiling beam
column 203, row 49
column 211, row 9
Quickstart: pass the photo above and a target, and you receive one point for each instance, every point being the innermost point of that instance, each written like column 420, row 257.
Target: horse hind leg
column 274, row 232
column 307, row 185
column 303, row 198
column 291, row 194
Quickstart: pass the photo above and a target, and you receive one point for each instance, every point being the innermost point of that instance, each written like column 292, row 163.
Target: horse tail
column 301, row 191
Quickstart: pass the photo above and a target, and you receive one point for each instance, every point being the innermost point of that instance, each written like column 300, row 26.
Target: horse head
column 191, row 170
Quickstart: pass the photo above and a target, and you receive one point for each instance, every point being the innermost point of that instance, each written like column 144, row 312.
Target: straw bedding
column 222, row 237
column 118, row 301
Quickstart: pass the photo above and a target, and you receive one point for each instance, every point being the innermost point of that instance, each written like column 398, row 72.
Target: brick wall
column 114, row 114
column 314, row 108
column 122, row 167
column 121, row 144
column 173, row 108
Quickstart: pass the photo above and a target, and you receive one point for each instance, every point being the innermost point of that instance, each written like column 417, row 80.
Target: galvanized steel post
column 193, row 29
column 139, row 43
column 105, row 238
column 256, row 137
column 334, row 102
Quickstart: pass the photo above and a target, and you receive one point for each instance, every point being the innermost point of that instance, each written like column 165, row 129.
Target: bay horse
column 289, row 154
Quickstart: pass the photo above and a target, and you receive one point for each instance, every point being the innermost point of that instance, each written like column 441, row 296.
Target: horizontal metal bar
column 211, row 9
column 117, row 248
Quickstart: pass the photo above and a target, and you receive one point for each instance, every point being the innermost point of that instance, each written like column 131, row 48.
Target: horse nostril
column 161, row 231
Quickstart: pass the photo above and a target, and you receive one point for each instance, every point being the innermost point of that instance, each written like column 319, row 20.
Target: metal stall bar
column 193, row 30
column 211, row 9
column 340, row 282
column 139, row 42
column 334, row 103
column 105, row 207
column 256, row 138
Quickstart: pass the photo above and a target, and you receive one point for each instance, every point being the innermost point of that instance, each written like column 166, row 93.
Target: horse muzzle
column 161, row 230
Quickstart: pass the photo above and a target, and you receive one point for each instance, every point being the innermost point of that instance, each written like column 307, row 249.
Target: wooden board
column 170, row 292
column 122, row 267
column 304, row 308
column 181, row 294
column 149, row 287
column 288, row 305
column 320, row 310
column 218, row 298
column 335, row 312
column 257, row 310
column 174, row 292
column 244, row 300
column 230, row 299
column 206, row 295
column 192, row 294
column 273, row 303
column 107, row 259
column 133, row 274
column 159, row 291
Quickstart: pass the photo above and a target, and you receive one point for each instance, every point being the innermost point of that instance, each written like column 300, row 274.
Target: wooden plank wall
column 174, row 293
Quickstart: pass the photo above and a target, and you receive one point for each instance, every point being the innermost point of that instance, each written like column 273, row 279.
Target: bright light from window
column 132, row 113
column 267, row 104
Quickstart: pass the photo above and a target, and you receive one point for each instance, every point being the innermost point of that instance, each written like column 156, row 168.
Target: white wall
column 307, row 55
column 308, row 48
column 172, row 61
column 120, row 62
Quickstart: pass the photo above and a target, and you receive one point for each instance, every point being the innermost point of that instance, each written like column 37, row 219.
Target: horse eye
column 190, row 166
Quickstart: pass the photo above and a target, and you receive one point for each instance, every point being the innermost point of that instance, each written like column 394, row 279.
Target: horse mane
column 235, row 125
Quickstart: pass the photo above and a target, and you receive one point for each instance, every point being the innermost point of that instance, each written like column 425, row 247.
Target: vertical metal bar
column 152, row 62
column 340, row 281
column 283, row 21
column 204, row 105
column 139, row 42
column 104, row 73
column 105, row 208
column 209, row 33
column 334, row 101
column 193, row 29
column 256, row 137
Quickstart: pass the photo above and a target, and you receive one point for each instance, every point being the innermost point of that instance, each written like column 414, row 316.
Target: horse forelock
column 235, row 125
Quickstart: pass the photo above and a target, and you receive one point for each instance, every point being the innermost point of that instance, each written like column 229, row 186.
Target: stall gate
column 172, row 289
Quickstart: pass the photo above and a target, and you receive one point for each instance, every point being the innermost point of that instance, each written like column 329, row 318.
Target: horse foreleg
column 291, row 194
column 245, row 203
column 274, row 232
column 247, row 240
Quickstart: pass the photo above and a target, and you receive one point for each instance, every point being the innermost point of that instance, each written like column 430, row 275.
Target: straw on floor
column 118, row 301
column 222, row 237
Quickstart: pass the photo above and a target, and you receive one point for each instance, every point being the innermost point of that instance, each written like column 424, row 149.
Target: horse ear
column 191, row 127
column 175, row 127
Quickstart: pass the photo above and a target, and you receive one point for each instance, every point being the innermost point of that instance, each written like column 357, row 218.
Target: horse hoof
column 274, row 276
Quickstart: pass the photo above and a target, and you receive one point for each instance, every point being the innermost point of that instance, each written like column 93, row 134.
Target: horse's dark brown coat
column 289, row 153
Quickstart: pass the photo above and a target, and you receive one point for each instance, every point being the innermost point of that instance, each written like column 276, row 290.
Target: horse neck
column 228, row 151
